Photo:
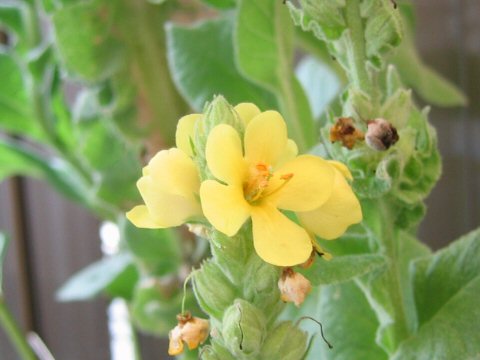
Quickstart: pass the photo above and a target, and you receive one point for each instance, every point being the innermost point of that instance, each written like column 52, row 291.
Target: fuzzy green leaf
column 95, row 278
column 84, row 41
column 19, row 160
column 220, row 4
column 342, row 268
column 349, row 324
column 202, row 62
column 447, row 286
column 264, row 48
column 16, row 115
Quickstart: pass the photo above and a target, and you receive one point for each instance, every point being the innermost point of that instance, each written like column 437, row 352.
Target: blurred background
column 42, row 223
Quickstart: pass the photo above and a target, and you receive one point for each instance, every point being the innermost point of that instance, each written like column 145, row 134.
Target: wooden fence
column 53, row 238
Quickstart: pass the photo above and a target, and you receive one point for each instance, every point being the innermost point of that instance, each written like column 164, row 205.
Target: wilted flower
column 345, row 131
column 294, row 287
column 190, row 330
column 381, row 134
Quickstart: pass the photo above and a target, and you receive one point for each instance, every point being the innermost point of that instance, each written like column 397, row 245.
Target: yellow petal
column 247, row 111
column 224, row 206
column 224, row 154
column 340, row 211
column 174, row 173
column 185, row 132
column 342, row 168
column 310, row 185
column 265, row 138
column 291, row 152
column 277, row 239
column 166, row 209
column 140, row 217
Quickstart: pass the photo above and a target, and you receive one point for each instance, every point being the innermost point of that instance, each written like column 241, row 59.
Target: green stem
column 146, row 39
column 356, row 53
column 14, row 333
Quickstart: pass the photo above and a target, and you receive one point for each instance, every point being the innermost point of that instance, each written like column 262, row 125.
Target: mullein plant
column 237, row 180
column 237, row 176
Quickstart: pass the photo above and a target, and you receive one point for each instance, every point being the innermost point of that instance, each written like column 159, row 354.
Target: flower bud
column 345, row 131
column 190, row 330
column 285, row 342
column 219, row 111
column 293, row 286
column 213, row 290
column 381, row 135
column 244, row 329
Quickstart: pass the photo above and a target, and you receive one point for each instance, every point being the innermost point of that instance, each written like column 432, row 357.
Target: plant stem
column 356, row 53
column 14, row 333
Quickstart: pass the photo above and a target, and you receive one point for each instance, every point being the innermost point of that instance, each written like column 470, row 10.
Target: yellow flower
column 265, row 176
column 169, row 185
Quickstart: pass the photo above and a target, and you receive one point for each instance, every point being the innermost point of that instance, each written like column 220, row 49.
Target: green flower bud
column 244, row 329
column 219, row 111
column 213, row 290
column 328, row 15
column 285, row 342
column 260, row 285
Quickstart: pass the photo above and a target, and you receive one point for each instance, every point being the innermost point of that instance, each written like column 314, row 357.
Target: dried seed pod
column 294, row 287
column 345, row 131
column 381, row 134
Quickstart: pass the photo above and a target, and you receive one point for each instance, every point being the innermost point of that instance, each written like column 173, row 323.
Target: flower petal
column 277, row 239
column 309, row 187
column 140, row 217
column 166, row 209
column 185, row 132
column 224, row 154
column 340, row 211
column 224, row 206
column 247, row 111
column 342, row 168
column 265, row 138
column 174, row 173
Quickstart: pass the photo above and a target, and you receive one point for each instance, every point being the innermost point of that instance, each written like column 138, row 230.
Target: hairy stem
column 14, row 333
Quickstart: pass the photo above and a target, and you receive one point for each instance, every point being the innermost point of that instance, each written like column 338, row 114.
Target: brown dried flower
column 191, row 330
column 345, row 131
column 380, row 134
column 294, row 287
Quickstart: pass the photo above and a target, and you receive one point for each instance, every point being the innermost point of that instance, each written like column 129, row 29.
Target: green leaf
column 158, row 250
column 202, row 62
column 342, row 268
column 17, row 159
column 95, row 278
column 320, row 83
column 349, row 324
column 220, row 4
column 16, row 115
column 264, row 52
column 429, row 84
column 3, row 253
column 154, row 308
column 84, row 40
column 447, row 288
column 396, row 313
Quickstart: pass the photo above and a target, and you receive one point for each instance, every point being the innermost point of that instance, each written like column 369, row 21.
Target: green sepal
column 214, row 292
column 285, row 341
column 243, row 329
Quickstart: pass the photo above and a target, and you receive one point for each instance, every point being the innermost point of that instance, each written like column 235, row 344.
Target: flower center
column 257, row 184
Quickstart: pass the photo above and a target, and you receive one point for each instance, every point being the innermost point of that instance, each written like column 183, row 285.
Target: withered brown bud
column 380, row 134
column 294, row 287
column 345, row 131
column 191, row 330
